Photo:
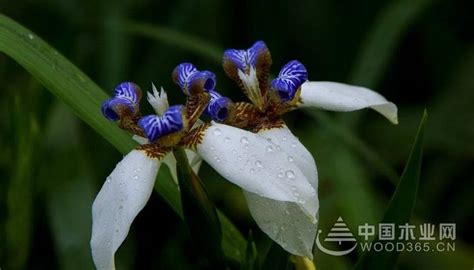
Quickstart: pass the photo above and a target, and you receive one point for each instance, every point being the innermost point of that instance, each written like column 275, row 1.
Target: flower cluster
column 247, row 142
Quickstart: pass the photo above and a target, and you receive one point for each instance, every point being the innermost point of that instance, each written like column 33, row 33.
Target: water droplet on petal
column 259, row 164
column 30, row 36
column 135, row 177
column 293, row 145
column 302, row 201
column 287, row 211
column 227, row 139
column 252, row 170
column 296, row 194
column 290, row 174
column 285, row 138
column 244, row 140
column 217, row 132
column 269, row 148
column 108, row 179
column 234, row 151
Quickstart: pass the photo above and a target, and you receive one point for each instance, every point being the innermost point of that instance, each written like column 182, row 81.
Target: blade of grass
column 401, row 206
column 75, row 89
column 19, row 221
column 174, row 38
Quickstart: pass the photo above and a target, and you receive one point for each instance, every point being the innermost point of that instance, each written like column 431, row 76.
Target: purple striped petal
column 155, row 126
column 114, row 107
column 245, row 59
column 128, row 90
column 186, row 76
column 290, row 78
column 218, row 107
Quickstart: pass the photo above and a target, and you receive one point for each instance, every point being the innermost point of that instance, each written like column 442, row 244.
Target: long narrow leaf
column 401, row 205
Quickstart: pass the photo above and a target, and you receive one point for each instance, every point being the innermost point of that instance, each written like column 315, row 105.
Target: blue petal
column 114, row 107
column 128, row 90
column 206, row 79
column 182, row 73
column 257, row 49
column 155, row 126
column 244, row 59
column 218, row 107
column 290, row 78
column 186, row 75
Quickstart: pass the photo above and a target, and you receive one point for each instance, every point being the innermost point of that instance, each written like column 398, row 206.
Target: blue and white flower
column 129, row 186
column 261, row 155
column 248, row 143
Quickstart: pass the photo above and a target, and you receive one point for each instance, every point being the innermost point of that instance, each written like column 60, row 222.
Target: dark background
column 419, row 54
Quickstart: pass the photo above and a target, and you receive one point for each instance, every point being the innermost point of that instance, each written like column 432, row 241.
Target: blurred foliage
column 416, row 53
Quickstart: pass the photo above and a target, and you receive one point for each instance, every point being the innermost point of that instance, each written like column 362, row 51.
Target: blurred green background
column 417, row 53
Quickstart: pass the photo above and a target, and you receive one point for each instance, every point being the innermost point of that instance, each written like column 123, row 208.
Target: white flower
column 276, row 172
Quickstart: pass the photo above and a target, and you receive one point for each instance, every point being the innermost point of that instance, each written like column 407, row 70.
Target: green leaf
column 199, row 213
column 19, row 221
column 402, row 203
column 250, row 261
column 77, row 91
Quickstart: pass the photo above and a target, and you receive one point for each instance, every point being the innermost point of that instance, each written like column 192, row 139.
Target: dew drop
column 269, row 148
column 30, row 36
column 290, row 174
column 293, row 188
column 135, row 177
column 293, row 145
column 239, row 158
column 226, row 139
column 259, row 164
column 252, row 170
column 244, row 140
column 212, row 148
column 217, row 132
column 108, row 179
column 302, row 201
column 285, row 138
column 234, row 151
column 290, row 159
column 296, row 194
column 287, row 211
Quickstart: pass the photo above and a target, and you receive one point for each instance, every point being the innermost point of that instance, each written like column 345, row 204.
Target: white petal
column 297, row 151
column 123, row 195
column 255, row 164
column 343, row 97
column 285, row 223
column 299, row 155
column 159, row 101
column 193, row 159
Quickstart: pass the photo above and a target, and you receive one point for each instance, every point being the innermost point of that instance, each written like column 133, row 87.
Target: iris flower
column 247, row 143
column 277, row 173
